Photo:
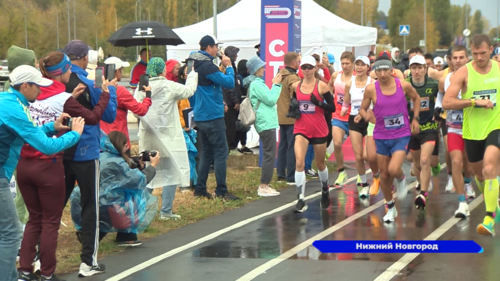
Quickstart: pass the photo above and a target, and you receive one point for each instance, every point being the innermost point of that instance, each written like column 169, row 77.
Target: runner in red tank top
column 311, row 128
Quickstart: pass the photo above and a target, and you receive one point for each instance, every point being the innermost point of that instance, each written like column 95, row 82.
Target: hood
column 55, row 89
column 169, row 65
column 242, row 68
column 285, row 72
column 231, row 52
column 17, row 56
column 106, row 145
column 201, row 55
column 248, row 80
column 393, row 55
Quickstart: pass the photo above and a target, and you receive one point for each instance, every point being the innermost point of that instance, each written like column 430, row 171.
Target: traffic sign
column 404, row 30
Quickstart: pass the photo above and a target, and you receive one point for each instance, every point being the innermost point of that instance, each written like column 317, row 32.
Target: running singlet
column 339, row 87
column 312, row 123
column 391, row 114
column 453, row 117
column 428, row 93
column 357, row 96
column 478, row 123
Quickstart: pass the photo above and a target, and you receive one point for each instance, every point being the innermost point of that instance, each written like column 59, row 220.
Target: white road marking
column 394, row 269
column 211, row 236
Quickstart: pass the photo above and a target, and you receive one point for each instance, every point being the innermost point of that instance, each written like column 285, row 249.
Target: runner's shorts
column 341, row 124
column 455, row 142
column 360, row 127
column 388, row 147
column 417, row 141
column 476, row 148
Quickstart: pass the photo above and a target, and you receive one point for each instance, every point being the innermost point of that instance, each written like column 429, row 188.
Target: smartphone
column 190, row 66
column 68, row 122
column 221, row 52
column 99, row 72
column 143, row 81
column 110, row 71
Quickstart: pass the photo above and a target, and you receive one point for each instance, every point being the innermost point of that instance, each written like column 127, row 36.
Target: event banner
column 396, row 246
column 280, row 33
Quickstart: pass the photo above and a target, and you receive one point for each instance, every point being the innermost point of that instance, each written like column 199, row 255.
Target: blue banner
column 408, row 246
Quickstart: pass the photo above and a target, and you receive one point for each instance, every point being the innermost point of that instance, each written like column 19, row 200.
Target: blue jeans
column 214, row 150
column 309, row 157
column 10, row 233
column 167, row 198
column 286, row 154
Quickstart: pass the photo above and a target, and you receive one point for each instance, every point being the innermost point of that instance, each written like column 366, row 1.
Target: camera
column 146, row 155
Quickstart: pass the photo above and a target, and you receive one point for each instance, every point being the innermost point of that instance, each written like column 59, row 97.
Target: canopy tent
column 322, row 31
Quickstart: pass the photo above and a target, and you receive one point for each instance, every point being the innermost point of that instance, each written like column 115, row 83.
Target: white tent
column 240, row 26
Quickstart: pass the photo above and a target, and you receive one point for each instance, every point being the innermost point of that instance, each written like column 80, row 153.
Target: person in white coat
column 160, row 130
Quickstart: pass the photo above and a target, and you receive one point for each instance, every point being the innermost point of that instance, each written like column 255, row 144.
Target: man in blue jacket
column 209, row 116
column 81, row 162
column 16, row 129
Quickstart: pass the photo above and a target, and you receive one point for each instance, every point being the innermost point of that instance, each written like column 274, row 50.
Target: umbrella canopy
column 145, row 33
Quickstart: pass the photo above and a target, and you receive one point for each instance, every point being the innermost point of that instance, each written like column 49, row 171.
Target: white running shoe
column 462, row 211
column 267, row 192
column 401, row 187
column 364, row 192
column 469, row 190
column 391, row 215
column 449, row 185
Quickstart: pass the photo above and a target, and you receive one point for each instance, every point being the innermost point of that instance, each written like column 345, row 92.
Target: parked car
column 4, row 71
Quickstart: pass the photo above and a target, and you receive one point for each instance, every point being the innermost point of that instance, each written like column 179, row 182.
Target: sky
column 487, row 7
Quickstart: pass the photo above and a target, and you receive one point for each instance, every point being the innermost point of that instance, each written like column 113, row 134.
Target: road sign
column 466, row 32
column 422, row 43
column 404, row 30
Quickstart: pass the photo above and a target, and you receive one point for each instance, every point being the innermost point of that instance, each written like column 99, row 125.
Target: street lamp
column 95, row 20
column 366, row 11
column 136, row 47
column 25, row 25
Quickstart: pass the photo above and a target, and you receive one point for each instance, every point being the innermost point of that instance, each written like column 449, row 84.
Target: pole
column 425, row 26
column 136, row 47
column 69, row 24
column 25, row 24
column 466, row 14
column 404, row 44
column 362, row 12
column 497, row 20
column 74, row 19
column 197, row 11
column 215, row 18
column 95, row 20
column 57, row 28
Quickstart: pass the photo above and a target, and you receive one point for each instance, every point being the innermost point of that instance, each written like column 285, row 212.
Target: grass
column 243, row 178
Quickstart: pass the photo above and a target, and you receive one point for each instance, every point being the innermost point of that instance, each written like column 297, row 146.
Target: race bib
column 340, row 99
column 394, row 122
column 455, row 117
column 486, row 95
column 424, row 104
column 307, row 107
column 355, row 106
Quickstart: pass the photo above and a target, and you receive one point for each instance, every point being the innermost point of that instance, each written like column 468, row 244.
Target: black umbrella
column 145, row 33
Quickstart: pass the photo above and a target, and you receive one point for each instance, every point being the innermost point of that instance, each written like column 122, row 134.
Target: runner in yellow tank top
column 479, row 82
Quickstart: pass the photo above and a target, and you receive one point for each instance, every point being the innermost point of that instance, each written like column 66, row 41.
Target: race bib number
column 455, row 117
column 486, row 95
column 424, row 104
column 340, row 99
column 394, row 122
column 307, row 107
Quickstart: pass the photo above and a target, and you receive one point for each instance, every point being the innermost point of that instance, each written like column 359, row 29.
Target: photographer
column 124, row 204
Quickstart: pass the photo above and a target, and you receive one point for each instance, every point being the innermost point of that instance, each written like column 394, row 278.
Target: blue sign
column 407, row 246
column 404, row 30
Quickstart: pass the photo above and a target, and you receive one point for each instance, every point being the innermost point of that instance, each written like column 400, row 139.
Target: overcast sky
column 487, row 8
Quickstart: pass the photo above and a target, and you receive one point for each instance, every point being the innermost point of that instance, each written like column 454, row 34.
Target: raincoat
column 160, row 129
column 124, row 204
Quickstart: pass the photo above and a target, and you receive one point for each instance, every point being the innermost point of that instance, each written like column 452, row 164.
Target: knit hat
column 254, row 64
column 155, row 67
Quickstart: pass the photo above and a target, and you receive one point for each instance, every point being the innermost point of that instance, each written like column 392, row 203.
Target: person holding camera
column 161, row 129
column 125, row 206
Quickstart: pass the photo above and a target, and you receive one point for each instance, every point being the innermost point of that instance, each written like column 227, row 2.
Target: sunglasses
column 307, row 67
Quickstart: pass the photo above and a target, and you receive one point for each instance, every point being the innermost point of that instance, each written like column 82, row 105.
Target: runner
column 480, row 87
column 392, row 130
column 425, row 144
column 431, row 72
column 455, row 140
column 341, row 123
column 311, row 128
column 354, row 91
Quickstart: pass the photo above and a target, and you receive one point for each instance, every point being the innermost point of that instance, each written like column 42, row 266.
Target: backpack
column 247, row 113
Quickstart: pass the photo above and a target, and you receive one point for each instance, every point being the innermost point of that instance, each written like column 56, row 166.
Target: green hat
column 17, row 56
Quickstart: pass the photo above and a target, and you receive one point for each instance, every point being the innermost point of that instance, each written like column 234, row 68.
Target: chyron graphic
column 277, row 12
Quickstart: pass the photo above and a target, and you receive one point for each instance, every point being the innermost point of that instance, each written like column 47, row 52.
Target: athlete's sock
column 363, row 178
column 390, row 204
column 424, row 193
column 467, row 180
column 461, row 198
column 436, row 170
column 491, row 195
column 377, row 175
column 490, row 217
column 341, row 170
column 480, row 185
column 323, row 177
column 300, row 181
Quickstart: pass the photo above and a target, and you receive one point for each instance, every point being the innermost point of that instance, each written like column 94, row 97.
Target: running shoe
column 325, row 199
column 486, row 229
column 420, row 202
column 311, row 173
column 27, row 276
column 418, row 187
column 391, row 215
column 469, row 191
column 245, row 150
column 449, row 186
column 436, row 170
column 341, row 179
column 171, row 216
column 301, row 206
column 462, row 211
column 401, row 187
column 375, row 187
column 363, row 191
column 267, row 192
column 86, row 270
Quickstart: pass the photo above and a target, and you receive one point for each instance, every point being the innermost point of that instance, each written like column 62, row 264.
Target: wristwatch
column 473, row 101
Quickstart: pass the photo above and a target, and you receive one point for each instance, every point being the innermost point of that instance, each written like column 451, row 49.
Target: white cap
column 438, row 60
column 92, row 57
column 308, row 60
column 28, row 74
column 117, row 62
column 364, row 59
column 418, row 59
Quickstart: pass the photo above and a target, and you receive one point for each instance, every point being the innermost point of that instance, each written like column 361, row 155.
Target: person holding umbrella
column 140, row 68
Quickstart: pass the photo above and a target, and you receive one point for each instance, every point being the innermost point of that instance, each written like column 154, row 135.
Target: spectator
column 125, row 101
column 125, row 206
column 286, row 154
column 160, row 129
column 209, row 116
column 396, row 62
column 241, row 130
column 81, row 162
column 438, row 63
column 17, row 128
column 328, row 61
column 258, row 49
column 140, row 68
column 266, row 119
column 232, row 98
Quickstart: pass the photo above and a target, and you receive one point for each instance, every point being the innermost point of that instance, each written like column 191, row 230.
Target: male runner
column 432, row 73
column 479, row 83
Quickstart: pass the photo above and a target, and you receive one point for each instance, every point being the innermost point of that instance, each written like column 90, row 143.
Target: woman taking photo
column 266, row 119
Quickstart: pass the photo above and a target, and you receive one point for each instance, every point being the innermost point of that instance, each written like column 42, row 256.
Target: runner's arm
column 347, row 94
column 413, row 95
column 365, row 104
column 451, row 100
column 327, row 96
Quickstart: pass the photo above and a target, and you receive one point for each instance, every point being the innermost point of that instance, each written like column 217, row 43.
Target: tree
column 476, row 26
column 440, row 10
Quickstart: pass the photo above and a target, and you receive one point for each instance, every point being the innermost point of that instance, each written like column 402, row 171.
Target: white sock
column 323, row 177
column 300, row 181
column 363, row 178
